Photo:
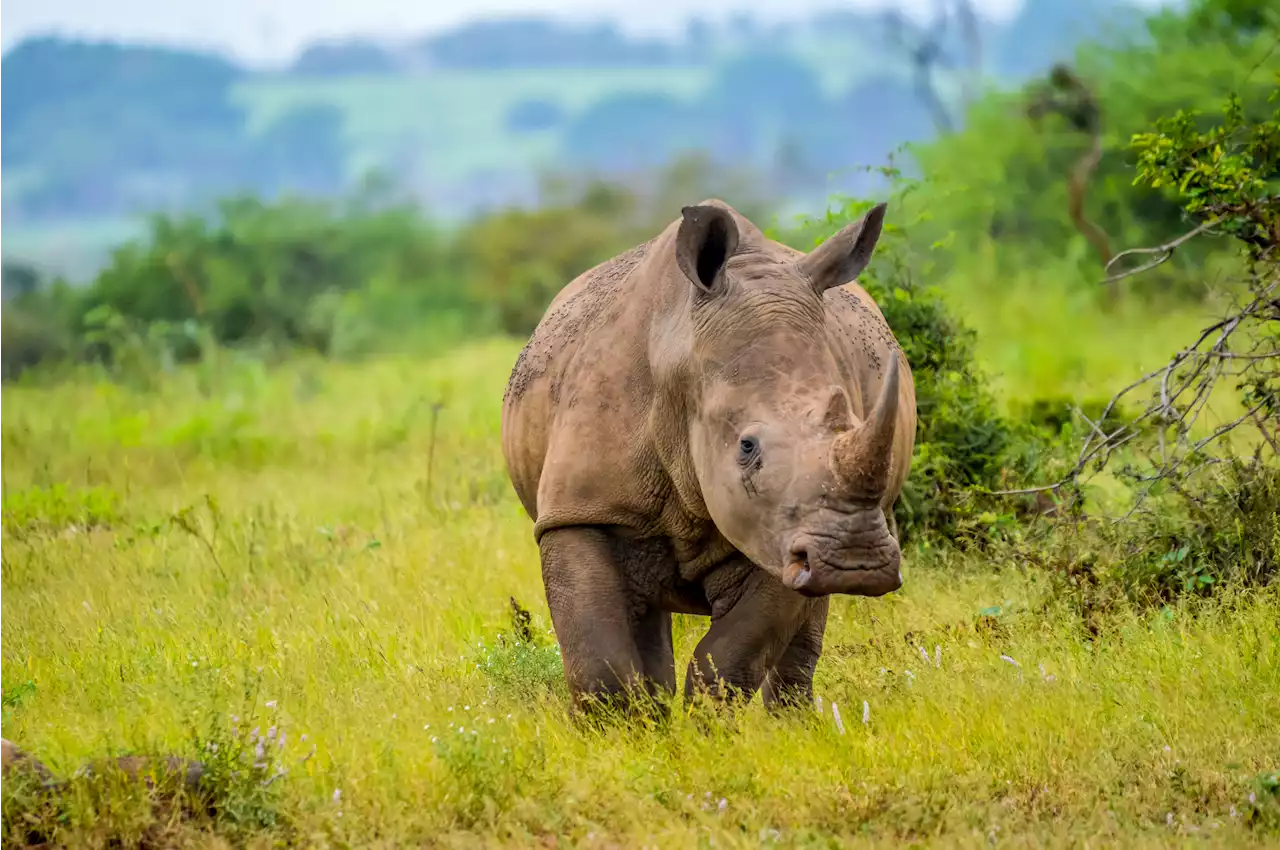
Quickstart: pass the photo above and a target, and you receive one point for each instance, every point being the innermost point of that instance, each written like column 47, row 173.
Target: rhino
column 717, row 424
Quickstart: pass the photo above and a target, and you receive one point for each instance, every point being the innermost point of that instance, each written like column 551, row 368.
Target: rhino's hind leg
column 753, row 621
column 593, row 616
column 790, row 683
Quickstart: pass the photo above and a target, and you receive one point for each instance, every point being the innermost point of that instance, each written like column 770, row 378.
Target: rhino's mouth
column 871, row 573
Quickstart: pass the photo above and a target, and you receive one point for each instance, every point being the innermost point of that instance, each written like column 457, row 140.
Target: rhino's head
column 789, row 474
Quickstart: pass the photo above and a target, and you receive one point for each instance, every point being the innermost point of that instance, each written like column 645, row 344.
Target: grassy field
column 325, row 554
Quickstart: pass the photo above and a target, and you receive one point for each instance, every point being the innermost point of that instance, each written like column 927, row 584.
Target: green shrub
column 28, row 338
column 271, row 271
column 1221, row 535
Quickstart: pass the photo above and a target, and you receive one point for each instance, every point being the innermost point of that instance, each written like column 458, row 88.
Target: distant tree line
column 105, row 130
column 766, row 109
column 100, row 129
column 1042, row 32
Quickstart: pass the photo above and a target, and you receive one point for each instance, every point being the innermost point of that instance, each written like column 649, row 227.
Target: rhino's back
column 576, row 395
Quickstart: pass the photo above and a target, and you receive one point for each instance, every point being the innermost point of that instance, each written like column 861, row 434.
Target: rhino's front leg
column 790, row 682
column 753, row 621
column 595, row 620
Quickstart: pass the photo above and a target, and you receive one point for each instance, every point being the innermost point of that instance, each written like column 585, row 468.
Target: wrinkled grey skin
column 711, row 423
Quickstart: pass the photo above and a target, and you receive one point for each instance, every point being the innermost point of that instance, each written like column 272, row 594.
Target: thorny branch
column 1240, row 346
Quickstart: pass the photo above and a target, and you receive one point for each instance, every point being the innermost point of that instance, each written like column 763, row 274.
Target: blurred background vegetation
column 99, row 133
column 372, row 199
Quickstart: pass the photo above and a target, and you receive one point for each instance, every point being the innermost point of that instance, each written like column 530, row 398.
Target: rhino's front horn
column 860, row 457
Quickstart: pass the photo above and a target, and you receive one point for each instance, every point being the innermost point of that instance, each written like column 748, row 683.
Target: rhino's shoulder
column 576, row 308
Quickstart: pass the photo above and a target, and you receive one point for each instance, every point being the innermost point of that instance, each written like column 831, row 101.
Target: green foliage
column 149, row 801
column 1007, row 175
column 1228, row 173
column 1224, row 538
column 522, row 662
column 1214, row 519
column 29, row 337
column 312, row 274
column 15, row 694
column 58, row 508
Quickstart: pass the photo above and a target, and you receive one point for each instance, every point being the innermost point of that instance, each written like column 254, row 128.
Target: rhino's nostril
column 800, row 555
column 796, row 572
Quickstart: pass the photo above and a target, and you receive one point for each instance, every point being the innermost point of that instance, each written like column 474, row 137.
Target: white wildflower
column 835, row 712
column 866, row 712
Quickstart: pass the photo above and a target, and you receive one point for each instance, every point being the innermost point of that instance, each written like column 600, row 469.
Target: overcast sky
column 271, row 31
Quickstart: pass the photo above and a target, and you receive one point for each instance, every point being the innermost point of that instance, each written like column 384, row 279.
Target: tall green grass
column 330, row 550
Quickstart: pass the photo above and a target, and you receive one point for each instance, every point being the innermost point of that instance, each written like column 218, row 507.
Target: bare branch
column 1163, row 252
column 1180, row 393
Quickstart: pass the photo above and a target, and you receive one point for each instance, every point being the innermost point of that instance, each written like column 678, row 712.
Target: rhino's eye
column 748, row 449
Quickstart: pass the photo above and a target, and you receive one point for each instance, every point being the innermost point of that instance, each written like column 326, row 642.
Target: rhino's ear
column 707, row 238
column 843, row 257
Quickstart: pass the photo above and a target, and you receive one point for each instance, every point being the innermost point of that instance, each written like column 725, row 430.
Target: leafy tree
column 1009, row 177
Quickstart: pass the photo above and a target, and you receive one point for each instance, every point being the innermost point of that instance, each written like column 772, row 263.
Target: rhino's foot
column 787, row 697
column 600, row 708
